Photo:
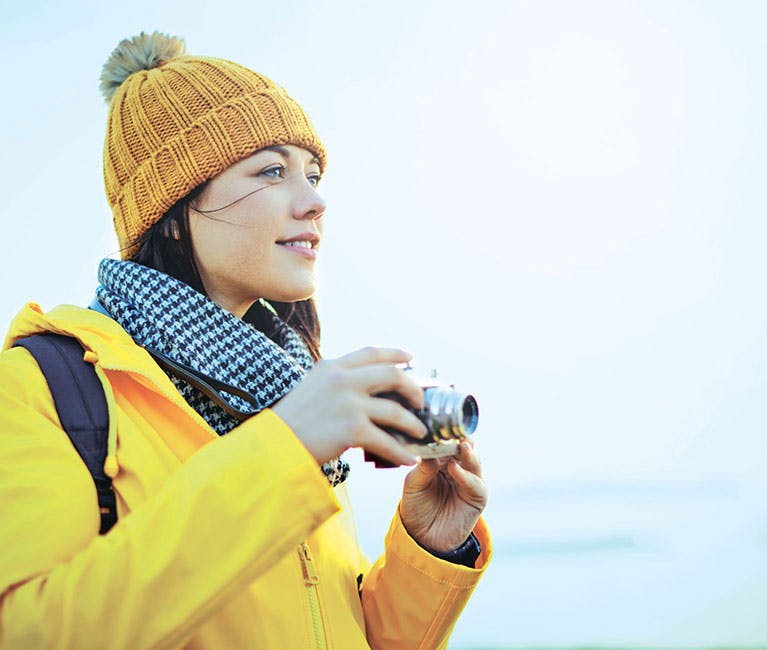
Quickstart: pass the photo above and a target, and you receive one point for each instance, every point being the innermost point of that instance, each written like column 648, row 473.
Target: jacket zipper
column 312, row 580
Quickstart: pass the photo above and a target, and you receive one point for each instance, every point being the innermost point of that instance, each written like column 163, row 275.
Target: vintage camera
column 449, row 416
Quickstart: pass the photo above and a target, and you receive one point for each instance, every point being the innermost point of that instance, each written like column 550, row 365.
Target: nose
column 307, row 202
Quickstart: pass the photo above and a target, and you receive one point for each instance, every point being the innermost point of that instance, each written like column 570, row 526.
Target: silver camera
column 449, row 417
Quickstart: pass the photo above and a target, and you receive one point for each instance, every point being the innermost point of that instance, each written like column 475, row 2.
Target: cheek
column 245, row 250
column 220, row 248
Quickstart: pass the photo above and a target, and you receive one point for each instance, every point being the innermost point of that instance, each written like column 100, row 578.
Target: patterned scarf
column 166, row 315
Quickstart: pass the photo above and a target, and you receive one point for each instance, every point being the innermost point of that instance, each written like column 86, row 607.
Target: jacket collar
column 97, row 333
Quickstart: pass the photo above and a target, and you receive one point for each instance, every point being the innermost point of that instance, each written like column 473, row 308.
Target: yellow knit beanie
column 176, row 121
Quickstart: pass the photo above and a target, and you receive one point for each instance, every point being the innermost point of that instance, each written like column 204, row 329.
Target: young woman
column 234, row 528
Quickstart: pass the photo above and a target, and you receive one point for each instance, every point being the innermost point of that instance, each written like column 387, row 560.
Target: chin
column 294, row 294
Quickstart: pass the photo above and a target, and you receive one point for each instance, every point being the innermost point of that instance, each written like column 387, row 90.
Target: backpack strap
column 82, row 408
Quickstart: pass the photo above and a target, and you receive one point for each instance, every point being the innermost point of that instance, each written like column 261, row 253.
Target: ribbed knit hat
column 176, row 121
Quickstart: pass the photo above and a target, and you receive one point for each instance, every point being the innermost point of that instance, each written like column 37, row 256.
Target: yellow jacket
column 222, row 542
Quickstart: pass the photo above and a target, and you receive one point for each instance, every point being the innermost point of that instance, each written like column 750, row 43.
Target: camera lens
column 449, row 414
column 470, row 414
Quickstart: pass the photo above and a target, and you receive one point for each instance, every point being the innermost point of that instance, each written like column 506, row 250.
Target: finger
column 430, row 466
column 470, row 486
column 374, row 379
column 381, row 444
column 388, row 413
column 422, row 476
column 468, row 459
column 372, row 355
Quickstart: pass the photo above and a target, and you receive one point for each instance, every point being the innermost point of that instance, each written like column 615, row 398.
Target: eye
column 314, row 179
column 275, row 171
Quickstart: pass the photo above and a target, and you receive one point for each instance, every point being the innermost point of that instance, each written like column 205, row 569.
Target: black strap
column 82, row 408
column 207, row 385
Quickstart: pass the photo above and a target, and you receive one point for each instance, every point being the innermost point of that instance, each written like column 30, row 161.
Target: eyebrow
column 286, row 154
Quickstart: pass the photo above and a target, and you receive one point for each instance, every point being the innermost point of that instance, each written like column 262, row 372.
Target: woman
column 229, row 535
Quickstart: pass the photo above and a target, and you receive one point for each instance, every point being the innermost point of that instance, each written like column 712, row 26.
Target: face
column 256, row 229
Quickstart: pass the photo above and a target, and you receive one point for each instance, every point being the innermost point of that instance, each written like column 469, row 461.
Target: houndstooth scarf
column 168, row 316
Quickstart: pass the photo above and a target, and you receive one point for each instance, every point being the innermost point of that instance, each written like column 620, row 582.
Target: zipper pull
column 307, row 565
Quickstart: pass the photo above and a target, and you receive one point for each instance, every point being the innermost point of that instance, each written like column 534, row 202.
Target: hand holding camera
column 443, row 498
column 351, row 401
column 363, row 400
column 336, row 406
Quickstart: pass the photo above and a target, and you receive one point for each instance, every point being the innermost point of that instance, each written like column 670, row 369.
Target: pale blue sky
column 558, row 204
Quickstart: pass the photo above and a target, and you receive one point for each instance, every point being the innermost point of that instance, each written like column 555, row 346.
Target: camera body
column 449, row 417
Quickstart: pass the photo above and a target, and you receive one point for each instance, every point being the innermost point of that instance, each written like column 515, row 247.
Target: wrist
column 433, row 539
column 466, row 554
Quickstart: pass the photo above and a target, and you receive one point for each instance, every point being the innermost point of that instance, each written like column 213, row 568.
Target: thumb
column 421, row 475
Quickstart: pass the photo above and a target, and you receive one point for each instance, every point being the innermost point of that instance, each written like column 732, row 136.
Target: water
column 647, row 564
column 623, row 565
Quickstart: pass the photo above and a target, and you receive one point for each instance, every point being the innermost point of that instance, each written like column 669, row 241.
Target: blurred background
column 560, row 206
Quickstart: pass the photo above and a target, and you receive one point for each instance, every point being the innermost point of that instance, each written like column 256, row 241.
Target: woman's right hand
column 333, row 408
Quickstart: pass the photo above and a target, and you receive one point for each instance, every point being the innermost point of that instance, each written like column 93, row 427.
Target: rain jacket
column 221, row 542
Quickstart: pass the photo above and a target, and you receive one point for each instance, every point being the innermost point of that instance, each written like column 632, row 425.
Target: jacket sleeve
column 412, row 599
column 220, row 521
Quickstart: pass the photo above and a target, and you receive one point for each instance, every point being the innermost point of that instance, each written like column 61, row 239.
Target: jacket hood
column 97, row 333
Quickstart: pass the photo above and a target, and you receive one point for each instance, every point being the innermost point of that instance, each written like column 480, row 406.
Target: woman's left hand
column 442, row 500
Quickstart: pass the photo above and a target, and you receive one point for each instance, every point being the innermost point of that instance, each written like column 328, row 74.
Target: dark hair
column 167, row 247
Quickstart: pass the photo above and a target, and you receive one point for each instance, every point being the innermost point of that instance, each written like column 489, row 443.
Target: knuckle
column 395, row 413
column 357, row 428
column 410, row 381
column 371, row 353
column 335, row 377
column 394, row 375
column 409, row 419
column 406, row 382
column 408, row 422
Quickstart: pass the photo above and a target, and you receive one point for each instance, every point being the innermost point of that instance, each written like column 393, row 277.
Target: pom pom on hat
column 142, row 52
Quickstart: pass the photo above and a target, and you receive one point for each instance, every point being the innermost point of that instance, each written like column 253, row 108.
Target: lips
column 300, row 243
column 304, row 244
column 306, row 240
